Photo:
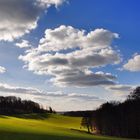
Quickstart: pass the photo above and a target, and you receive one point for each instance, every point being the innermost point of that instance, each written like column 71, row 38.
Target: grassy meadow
column 45, row 127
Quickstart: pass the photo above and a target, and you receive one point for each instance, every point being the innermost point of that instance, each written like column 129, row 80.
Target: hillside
column 42, row 127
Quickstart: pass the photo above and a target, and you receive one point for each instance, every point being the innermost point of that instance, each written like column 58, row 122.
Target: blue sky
column 120, row 17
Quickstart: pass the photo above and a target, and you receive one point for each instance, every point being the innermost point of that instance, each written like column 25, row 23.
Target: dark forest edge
column 114, row 118
column 12, row 105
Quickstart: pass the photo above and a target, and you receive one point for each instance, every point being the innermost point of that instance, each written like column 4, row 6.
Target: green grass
column 45, row 127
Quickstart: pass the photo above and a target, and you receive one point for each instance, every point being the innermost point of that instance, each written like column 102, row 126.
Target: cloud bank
column 6, row 88
column 58, row 100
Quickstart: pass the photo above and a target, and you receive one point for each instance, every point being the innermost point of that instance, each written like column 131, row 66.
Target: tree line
column 86, row 113
column 12, row 105
column 115, row 118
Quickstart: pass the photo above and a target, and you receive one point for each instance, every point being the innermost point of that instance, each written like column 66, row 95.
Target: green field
column 45, row 127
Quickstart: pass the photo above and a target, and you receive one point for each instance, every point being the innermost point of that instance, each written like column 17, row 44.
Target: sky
column 69, row 54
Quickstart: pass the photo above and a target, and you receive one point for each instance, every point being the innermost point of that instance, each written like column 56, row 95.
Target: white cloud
column 85, row 97
column 122, row 88
column 67, row 37
column 23, row 44
column 68, row 54
column 81, row 79
column 133, row 64
column 2, row 69
column 48, row 3
column 19, row 17
column 6, row 88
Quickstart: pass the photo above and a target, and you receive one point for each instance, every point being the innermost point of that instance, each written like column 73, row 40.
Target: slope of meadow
column 43, row 127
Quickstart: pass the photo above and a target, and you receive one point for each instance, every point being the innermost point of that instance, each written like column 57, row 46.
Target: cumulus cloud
column 133, row 64
column 68, row 37
column 68, row 54
column 19, row 17
column 2, row 69
column 23, row 44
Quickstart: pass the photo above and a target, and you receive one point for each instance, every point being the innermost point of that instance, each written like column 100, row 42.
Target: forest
column 115, row 118
column 11, row 105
